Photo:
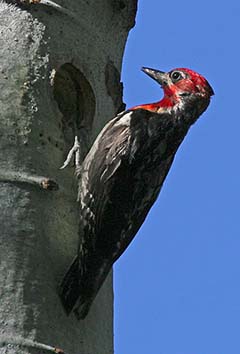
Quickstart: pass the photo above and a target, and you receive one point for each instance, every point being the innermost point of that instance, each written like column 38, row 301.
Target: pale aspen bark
column 59, row 75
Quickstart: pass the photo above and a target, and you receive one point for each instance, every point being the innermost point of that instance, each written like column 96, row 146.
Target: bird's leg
column 75, row 150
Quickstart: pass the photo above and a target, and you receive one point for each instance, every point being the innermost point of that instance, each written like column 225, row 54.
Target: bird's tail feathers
column 80, row 286
column 70, row 286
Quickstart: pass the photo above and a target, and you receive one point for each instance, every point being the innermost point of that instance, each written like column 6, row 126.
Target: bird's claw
column 75, row 150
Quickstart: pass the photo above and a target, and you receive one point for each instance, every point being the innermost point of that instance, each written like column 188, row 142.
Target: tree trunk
column 59, row 77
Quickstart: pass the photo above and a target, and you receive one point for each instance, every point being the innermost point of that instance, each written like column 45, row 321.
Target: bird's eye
column 175, row 76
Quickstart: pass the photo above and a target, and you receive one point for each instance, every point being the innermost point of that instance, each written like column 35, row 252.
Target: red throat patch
column 165, row 103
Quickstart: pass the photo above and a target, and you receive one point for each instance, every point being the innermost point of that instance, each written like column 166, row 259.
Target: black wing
column 120, row 180
column 122, row 176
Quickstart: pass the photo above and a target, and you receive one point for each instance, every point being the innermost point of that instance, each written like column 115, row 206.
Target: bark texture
column 59, row 75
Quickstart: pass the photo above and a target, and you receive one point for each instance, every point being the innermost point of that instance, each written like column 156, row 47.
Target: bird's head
column 181, row 87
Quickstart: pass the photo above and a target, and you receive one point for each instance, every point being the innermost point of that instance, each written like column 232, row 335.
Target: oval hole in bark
column 76, row 101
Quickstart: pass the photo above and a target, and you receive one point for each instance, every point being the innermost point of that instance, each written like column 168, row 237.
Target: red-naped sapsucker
column 122, row 176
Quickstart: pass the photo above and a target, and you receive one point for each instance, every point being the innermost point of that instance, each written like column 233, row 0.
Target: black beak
column 160, row 76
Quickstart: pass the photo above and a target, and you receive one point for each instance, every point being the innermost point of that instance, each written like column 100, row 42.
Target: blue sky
column 177, row 287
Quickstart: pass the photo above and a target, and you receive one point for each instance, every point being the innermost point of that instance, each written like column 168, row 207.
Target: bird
column 122, row 175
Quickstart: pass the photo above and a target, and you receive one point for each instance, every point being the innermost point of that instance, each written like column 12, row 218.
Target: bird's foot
column 75, row 151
